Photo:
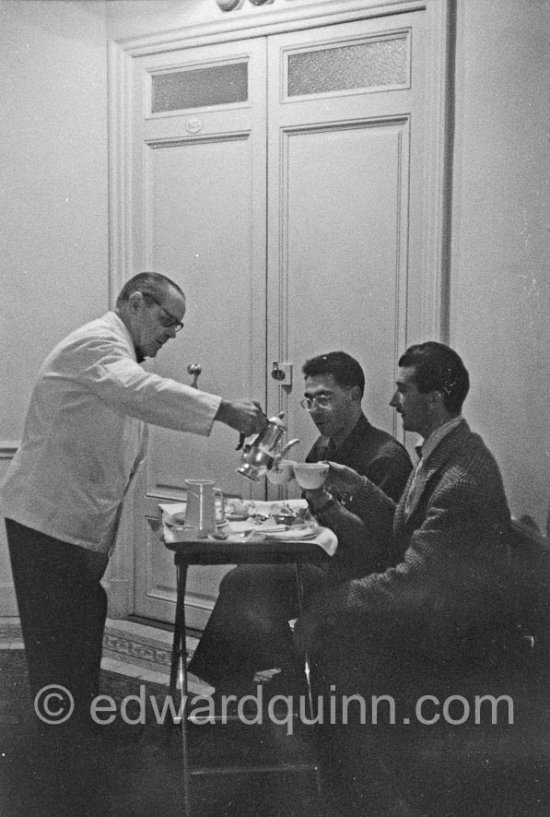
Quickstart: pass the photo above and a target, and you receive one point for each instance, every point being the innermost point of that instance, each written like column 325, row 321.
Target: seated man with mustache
column 439, row 610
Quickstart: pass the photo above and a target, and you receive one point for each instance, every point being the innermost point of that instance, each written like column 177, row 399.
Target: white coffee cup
column 310, row 475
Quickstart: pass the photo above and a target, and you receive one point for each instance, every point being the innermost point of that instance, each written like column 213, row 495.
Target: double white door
column 282, row 181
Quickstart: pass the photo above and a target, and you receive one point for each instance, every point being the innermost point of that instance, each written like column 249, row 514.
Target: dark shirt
column 371, row 452
column 377, row 455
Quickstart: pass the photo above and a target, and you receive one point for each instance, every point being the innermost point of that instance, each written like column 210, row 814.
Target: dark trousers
column 62, row 607
column 248, row 629
column 366, row 688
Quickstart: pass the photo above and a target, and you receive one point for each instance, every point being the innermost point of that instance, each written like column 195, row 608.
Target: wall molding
column 274, row 21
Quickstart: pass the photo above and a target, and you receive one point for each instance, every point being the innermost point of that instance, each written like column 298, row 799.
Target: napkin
column 168, row 511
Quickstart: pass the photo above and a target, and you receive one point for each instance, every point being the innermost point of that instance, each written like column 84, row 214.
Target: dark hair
column 343, row 367
column 438, row 368
column 148, row 283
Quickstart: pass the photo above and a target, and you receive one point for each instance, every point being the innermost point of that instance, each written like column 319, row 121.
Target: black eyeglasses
column 168, row 320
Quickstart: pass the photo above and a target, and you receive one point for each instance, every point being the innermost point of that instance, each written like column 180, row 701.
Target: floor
column 140, row 774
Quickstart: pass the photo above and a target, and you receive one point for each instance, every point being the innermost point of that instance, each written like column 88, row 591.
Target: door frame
column 437, row 150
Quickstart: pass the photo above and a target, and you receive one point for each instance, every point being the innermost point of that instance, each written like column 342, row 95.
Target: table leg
column 178, row 671
column 178, row 641
column 307, row 668
column 179, row 668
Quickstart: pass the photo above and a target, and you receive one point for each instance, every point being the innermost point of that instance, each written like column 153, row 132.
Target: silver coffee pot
column 262, row 451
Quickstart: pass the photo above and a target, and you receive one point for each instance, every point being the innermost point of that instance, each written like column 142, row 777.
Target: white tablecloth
column 250, row 529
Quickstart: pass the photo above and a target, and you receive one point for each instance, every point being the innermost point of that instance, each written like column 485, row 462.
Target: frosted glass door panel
column 199, row 87
column 367, row 65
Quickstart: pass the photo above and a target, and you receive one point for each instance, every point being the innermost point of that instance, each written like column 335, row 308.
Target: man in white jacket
column 83, row 441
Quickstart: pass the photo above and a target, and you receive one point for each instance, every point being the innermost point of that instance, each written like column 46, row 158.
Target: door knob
column 282, row 373
column 195, row 369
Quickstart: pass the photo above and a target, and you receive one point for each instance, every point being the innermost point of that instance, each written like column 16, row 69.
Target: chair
column 485, row 769
column 498, row 769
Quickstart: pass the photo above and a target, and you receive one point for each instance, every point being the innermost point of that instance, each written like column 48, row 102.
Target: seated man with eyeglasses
column 248, row 629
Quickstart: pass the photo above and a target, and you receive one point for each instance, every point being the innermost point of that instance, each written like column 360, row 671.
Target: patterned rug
column 15, row 696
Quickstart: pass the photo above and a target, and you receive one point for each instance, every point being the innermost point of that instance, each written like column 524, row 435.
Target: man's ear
column 436, row 398
column 135, row 301
column 355, row 392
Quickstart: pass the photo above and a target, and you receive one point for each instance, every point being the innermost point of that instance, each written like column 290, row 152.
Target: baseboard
column 151, row 622
column 163, row 625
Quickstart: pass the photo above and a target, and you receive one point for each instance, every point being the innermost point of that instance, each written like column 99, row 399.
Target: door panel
column 341, row 176
column 217, row 279
column 345, row 253
column 199, row 216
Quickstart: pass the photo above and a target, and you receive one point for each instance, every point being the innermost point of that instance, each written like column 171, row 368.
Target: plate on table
column 308, row 530
column 237, row 510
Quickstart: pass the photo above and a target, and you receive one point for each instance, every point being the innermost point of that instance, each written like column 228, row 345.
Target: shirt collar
column 330, row 450
column 430, row 444
column 358, row 431
column 115, row 318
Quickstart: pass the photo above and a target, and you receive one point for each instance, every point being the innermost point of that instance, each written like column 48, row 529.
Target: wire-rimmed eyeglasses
column 168, row 320
column 321, row 400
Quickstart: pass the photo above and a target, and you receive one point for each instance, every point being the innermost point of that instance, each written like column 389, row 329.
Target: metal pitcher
column 200, row 514
column 264, row 450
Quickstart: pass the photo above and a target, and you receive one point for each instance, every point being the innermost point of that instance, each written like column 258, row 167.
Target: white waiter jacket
column 84, row 434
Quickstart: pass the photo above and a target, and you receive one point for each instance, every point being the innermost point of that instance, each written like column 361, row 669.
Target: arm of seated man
column 359, row 551
column 369, row 502
column 362, row 540
column 450, row 582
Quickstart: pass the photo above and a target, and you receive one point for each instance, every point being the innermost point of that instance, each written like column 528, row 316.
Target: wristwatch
column 317, row 508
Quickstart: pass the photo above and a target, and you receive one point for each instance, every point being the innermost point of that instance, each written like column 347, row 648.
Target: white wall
column 53, row 195
column 53, row 166
column 500, row 304
column 132, row 18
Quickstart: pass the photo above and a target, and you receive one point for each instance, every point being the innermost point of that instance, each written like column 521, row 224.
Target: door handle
column 282, row 373
column 195, row 369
